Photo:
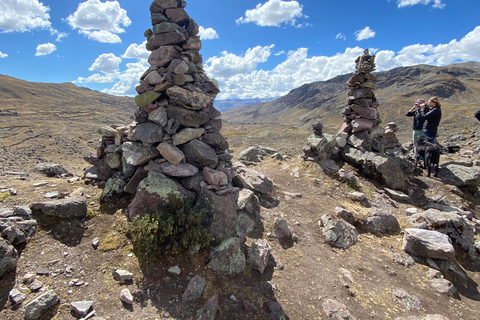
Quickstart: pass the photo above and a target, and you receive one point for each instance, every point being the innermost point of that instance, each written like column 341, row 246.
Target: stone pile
column 319, row 145
column 174, row 145
column 391, row 139
column 361, row 112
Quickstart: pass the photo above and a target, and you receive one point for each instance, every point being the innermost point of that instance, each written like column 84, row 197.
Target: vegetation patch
column 4, row 195
column 175, row 227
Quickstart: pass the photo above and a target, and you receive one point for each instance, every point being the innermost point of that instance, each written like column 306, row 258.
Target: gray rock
column 337, row 232
column 345, row 215
column 186, row 135
column 175, row 270
column 188, row 99
column 51, row 169
column 108, row 131
column 159, row 116
column 187, row 118
column 258, row 254
column 208, row 310
column 75, row 207
column 252, row 179
column 35, row 285
column 280, row 229
column 177, row 170
column 216, row 141
column 255, row 154
column 126, row 296
column 194, row 289
column 227, row 258
column 37, row 307
column 460, row 231
column 248, row 201
column 443, row 286
column 411, row 211
column 147, row 133
column 382, row 223
column 459, row 175
column 122, row 275
column 223, row 215
column 94, row 174
column 199, row 154
column 244, row 225
column 426, row 243
column 113, row 160
column 170, row 152
column 23, row 212
column 397, row 195
column 409, row 301
column 113, row 187
column 336, row 310
column 81, row 307
column 214, row 177
column 12, row 232
column 136, row 154
column 162, row 56
column 16, row 296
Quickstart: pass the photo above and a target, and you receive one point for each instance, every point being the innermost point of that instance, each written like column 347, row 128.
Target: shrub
column 176, row 226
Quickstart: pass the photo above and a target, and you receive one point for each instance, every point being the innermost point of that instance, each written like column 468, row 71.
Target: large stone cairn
column 174, row 144
column 361, row 112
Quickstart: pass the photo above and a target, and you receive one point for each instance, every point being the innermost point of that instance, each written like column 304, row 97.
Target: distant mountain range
column 225, row 105
column 457, row 86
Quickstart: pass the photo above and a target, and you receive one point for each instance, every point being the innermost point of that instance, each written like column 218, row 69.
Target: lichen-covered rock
column 337, row 232
column 194, row 288
column 8, row 257
column 228, row 258
column 75, row 207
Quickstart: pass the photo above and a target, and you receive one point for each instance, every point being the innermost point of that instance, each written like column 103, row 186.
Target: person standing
column 432, row 118
column 417, row 122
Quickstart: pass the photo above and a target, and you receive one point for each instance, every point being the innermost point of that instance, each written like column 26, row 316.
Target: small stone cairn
column 391, row 138
column 361, row 112
column 319, row 145
column 174, row 144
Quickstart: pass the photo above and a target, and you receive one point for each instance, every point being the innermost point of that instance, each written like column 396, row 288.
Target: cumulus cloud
column 100, row 21
column 106, row 63
column 3, row 55
column 341, row 36
column 273, row 13
column 230, row 64
column 26, row 15
column 408, row 3
column 136, row 51
column 365, row 33
column 45, row 49
column 208, row 33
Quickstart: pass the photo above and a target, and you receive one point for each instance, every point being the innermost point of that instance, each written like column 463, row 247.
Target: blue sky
column 254, row 48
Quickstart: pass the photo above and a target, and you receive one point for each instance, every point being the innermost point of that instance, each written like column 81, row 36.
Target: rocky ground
column 305, row 277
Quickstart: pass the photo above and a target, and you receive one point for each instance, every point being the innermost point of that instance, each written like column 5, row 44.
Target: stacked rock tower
column 361, row 111
column 174, row 144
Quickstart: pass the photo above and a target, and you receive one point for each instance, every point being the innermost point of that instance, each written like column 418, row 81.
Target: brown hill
column 457, row 85
column 39, row 119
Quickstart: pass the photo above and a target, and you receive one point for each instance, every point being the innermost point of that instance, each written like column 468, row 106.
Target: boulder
column 37, row 307
column 208, row 310
column 455, row 226
column 223, row 214
column 255, row 154
column 382, row 223
column 252, row 179
column 459, row 175
column 75, row 207
column 228, row 258
column 429, row 244
column 199, row 154
column 8, row 257
column 51, row 169
column 162, row 56
column 194, row 288
column 153, row 191
column 258, row 254
column 136, row 154
column 337, row 232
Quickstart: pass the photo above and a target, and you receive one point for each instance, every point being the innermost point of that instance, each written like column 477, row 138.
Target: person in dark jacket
column 432, row 118
column 477, row 114
column 417, row 122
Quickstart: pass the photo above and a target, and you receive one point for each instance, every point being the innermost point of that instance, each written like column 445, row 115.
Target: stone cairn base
column 174, row 144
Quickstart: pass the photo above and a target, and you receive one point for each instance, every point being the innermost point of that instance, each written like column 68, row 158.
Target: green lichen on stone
column 159, row 184
column 146, row 98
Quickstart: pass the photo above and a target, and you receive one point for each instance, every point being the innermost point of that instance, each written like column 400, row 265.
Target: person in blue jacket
column 432, row 118
column 417, row 122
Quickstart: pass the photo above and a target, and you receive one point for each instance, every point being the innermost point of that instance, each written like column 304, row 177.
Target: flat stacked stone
column 361, row 111
column 390, row 136
column 174, row 143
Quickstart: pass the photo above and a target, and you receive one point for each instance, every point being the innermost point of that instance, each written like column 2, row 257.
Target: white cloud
column 23, row 15
column 341, row 36
column 365, row 33
column 208, row 33
column 3, row 55
column 279, row 53
column 137, row 51
column 107, row 63
column 230, row 64
column 101, row 36
column 100, row 21
column 407, row 3
column 273, row 13
column 45, row 49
